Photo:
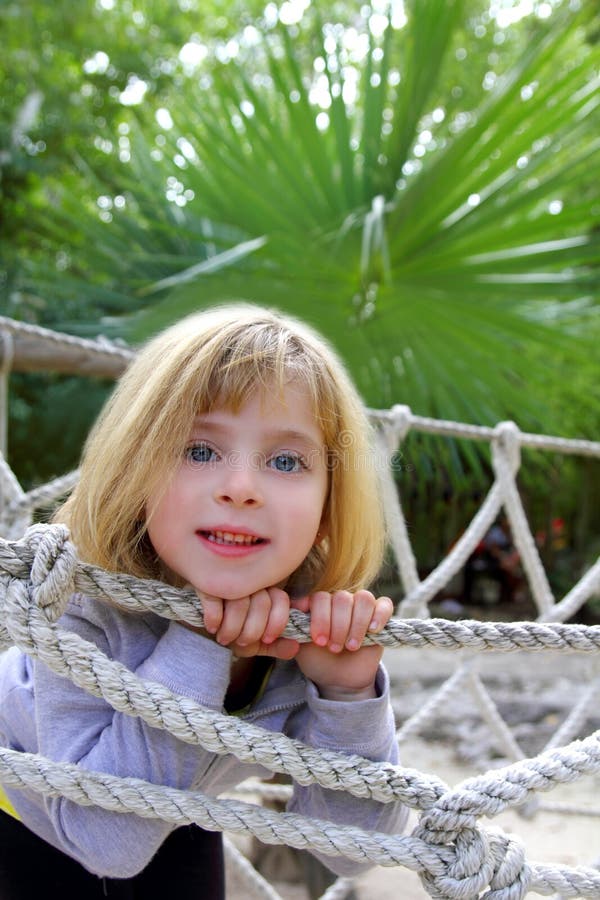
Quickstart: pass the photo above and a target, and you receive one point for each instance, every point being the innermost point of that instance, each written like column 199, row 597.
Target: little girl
column 234, row 456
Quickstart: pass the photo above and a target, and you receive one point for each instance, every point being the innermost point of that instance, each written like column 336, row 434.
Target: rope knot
column 53, row 568
column 469, row 866
column 506, row 445
column 474, row 859
column 401, row 417
column 512, row 874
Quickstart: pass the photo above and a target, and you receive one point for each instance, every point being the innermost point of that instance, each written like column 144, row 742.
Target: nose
column 239, row 487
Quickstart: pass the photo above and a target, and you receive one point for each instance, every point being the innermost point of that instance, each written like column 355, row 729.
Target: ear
column 321, row 534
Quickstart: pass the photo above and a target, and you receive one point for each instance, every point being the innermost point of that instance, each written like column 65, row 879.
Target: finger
column 212, row 609
column 363, row 611
column 320, row 618
column 234, row 616
column 342, row 603
column 282, row 648
column 300, row 603
column 384, row 609
column 256, row 618
column 279, row 614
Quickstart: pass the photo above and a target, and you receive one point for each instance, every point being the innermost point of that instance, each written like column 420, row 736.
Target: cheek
column 170, row 501
column 163, row 516
column 156, row 531
column 313, row 511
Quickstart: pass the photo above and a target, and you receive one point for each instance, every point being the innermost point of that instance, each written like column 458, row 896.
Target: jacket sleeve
column 74, row 726
column 365, row 728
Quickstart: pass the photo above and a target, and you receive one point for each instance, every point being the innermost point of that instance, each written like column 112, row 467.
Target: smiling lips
column 231, row 543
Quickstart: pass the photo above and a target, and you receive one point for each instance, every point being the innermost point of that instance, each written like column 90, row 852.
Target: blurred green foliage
column 418, row 180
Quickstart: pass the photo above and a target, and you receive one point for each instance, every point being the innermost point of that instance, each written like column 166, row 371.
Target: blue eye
column 287, row 462
column 200, row 453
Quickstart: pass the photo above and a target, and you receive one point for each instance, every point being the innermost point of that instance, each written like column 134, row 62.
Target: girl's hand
column 335, row 660
column 251, row 626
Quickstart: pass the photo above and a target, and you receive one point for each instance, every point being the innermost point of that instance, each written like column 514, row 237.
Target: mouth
column 232, row 539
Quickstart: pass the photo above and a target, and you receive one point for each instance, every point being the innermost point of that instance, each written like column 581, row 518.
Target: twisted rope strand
column 493, row 792
column 45, row 494
column 449, row 817
column 31, row 771
column 83, row 663
column 253, row 880
column 101, row 347
column 22, row 770
column 50, row 558
column 427, row 425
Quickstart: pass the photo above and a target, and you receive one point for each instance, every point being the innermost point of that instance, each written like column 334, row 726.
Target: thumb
column 212, row 609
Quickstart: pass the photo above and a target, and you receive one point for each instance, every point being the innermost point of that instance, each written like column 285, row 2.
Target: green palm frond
column 426, row 227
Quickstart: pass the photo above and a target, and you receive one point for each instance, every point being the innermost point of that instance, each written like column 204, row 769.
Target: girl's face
column 244, row 506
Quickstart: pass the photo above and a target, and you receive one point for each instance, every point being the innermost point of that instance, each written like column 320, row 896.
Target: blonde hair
column 210, row 359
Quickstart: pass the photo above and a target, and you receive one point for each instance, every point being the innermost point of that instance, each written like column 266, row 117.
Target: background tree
column 418, row 180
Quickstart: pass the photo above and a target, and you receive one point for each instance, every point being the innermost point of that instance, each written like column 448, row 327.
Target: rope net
column 453, row 854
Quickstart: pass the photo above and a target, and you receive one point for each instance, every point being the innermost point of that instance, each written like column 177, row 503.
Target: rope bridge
column 453, row 854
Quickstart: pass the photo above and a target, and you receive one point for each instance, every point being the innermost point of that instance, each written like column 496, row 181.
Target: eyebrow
column 292, row 434
column 271, row 435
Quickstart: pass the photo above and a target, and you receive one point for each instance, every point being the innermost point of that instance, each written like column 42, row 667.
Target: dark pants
column 188, row 866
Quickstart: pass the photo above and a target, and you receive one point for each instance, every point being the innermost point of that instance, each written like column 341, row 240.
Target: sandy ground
column 550, row 685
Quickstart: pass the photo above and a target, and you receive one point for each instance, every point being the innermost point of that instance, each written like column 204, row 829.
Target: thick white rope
column 45, row 562
column 427, row 425
column 448, row 823
column 388, row 440
column 453, row 857
column 34, row 772
column 259, row 887
column 101, row 347
column 11, row 489
column 506, row 459
column 16, row 514
column 577, row 717
column 427, row 713
column 45, row 494
column 69, row 655
column 506, row 441
column 339, row 890
column 587, row 586
column 253, row 881
column 491, row 715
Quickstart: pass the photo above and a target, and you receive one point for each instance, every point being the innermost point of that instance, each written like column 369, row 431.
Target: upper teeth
column 231, row 538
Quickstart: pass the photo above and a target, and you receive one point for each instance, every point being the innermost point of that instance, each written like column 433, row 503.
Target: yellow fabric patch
column 6, row 805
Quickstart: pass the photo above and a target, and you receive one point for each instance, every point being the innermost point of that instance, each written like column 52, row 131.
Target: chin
column 232, row 593
column 232, row 596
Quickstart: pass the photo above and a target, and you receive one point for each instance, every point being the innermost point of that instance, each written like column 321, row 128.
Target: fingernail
column 352, row 644
column 335, row 648
column 321, row 640
column 374, row 625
